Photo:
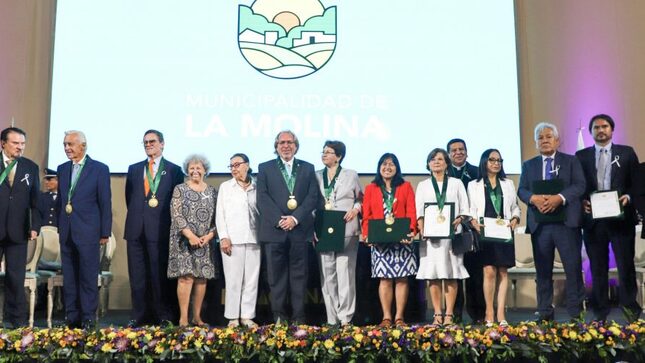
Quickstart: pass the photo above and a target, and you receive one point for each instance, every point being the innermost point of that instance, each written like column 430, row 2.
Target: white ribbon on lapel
column 616, row 158
column 25, row 179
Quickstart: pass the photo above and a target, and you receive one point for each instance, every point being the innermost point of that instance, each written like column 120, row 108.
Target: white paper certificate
column 605, row 205
column 438, row 224
column 493, row 229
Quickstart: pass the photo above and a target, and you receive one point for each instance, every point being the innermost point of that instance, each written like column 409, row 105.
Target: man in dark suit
column 461, row 169
column 563, row 235
column 287, row 193
column 19, row 220
column 148, row 191
column 84, row 223
column 47, row 201
column 609, row 166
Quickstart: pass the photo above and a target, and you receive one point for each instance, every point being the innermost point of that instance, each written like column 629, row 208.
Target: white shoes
column 248, row 323
column 233, row 323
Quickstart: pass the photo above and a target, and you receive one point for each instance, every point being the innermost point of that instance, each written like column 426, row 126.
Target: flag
column 581, row 140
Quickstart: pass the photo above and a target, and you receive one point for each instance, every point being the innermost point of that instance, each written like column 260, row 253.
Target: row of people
column 170, row 225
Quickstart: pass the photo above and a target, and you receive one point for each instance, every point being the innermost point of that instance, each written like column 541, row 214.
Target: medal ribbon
column 495, row 196
column 6, row 171
column 388, row 200
column 289, row 179
column 441, row 197
column 72, row 188
column 330, row 186
column 154, row 182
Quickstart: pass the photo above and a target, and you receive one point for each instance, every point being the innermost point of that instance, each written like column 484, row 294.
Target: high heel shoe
column 438, row 319
column 448, row 319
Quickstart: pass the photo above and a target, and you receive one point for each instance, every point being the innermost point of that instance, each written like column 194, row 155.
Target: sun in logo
column 287, row 39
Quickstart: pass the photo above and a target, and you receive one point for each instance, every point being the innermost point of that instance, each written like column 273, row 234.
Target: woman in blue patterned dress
column 190, row 260
column 390, row 196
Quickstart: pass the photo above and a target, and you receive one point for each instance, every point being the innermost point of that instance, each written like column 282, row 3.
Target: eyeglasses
column 236, row 165
column 495, row 161
column 286, row 142
column 328, row 153
column 149, row 142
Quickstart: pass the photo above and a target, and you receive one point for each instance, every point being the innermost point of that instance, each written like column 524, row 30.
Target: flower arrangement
column 302, row 343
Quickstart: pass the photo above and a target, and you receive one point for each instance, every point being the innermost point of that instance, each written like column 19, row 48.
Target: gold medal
column 500, row 221
column 68, row 208
column 292, row 203
column 330, row 230
column 153, row 202
column 441, row 218
column 328, row 205
column 389, row 219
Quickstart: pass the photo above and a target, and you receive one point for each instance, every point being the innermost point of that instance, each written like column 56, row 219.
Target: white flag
column 581, row 140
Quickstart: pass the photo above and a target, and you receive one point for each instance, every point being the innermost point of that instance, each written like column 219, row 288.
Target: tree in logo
column 287, row 39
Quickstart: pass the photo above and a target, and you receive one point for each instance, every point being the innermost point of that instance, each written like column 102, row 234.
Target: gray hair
column 194, row 159
column 545, row 125
column 80, row 135
column 277, row 138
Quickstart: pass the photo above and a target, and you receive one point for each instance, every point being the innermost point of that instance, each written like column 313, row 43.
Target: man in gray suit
column 287, row 194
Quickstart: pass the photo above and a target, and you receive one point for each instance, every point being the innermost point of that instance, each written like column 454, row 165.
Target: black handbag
column 467, row 240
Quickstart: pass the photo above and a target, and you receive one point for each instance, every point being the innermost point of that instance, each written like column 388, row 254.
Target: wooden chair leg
column 32, row 304
column 50, row 303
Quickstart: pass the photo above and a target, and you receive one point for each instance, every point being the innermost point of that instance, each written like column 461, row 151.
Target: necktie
column 288, row 166
column 75, row 169
column 12, row 173
column 548, row 170
column 603, row 161
column 146, row 184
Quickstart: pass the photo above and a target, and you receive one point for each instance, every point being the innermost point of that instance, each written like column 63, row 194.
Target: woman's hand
column 513, row 223
column 407, row 241
column 456, row 222
column 351, row 214
column 476, row 225
column 226, row 246
column 194, row 241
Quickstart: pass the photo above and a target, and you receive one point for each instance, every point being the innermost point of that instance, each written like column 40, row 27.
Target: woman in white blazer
column 237, row 225
column 341, row 191
column 494, row 196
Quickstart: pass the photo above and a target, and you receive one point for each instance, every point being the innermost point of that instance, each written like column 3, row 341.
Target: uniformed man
column 47, row 201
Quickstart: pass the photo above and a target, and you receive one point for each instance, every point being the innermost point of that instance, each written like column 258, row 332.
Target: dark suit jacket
column 623, row 177
column 570, row 172
column 273, row 194
column 19, row 203
column 91, row 219
column 47, row 209
column 154, row 223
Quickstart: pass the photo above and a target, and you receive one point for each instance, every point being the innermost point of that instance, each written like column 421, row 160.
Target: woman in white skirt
column 236, row 219
column 437, row 262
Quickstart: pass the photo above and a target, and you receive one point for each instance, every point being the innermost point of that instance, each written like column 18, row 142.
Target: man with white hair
column 552, row 185
column 84, row 224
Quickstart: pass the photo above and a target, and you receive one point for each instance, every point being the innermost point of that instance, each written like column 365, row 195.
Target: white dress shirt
column 237, row 212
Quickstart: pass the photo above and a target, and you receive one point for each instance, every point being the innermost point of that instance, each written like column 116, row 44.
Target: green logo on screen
column 287, row 39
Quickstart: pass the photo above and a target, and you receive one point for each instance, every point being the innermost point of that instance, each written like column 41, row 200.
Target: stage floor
column 121, row 317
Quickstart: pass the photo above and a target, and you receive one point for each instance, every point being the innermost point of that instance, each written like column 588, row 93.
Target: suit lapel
column 615, row 155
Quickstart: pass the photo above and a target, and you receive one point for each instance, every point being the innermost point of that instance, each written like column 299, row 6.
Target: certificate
column 549, row 187
column 606, row 205
column 381, row 231
column 330, row 230
column 496, row 230
column 438, row 224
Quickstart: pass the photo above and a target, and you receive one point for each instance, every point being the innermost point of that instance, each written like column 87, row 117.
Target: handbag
column 467, row 240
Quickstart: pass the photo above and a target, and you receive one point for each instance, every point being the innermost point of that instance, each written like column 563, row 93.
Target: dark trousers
column 15, row 304
column 475, row 303
column 287, row 270
column 568, row 241
column 150, row 289
column 80, row 261
column 597, row 241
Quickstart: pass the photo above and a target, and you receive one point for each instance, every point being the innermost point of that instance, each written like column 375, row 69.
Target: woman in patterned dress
column 390, row 195
column 437, row 262
column 190, row 260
